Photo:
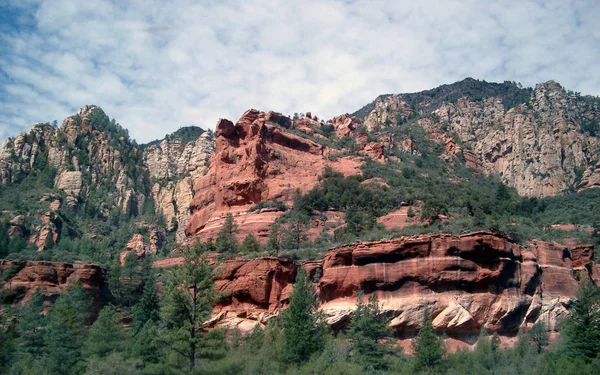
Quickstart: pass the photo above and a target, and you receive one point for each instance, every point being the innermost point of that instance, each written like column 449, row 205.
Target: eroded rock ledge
column 465, row 282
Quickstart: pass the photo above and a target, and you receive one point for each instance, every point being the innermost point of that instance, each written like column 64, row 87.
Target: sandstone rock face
column 175, row 165
column 256, row 290
column 138, row 246
column 52, row 278
column 344, row 125
column 465, row 282
column 389, row 111
column 18, row 155
column 253, row 162
column 535, row 147
column 540, row 147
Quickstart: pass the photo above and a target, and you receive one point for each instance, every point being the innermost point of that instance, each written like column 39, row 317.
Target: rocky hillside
column 472, row 201
column 84, row 178
column 542, row 142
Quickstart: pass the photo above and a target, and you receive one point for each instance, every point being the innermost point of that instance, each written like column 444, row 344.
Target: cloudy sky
column 157, row 65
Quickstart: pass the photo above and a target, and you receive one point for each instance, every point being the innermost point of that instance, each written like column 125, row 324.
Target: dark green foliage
column 226, row 242
column 538, row 336
column 62, row 334
column 250, row 245
column 581, row 329
column 104, row 336
column 148, row 307
column 30, row 327
column 4, row 239
column 7, row 347
column 590, row 126
column 294, row 233
column 187, row 303
column 300, row 320
column 429, row 352
column 367, row 328
column 146, row 344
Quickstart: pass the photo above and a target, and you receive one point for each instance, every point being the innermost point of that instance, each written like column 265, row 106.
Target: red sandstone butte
column 255, row 160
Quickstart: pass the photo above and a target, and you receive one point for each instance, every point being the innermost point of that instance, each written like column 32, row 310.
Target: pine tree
column 145, row 344
column 581, row 329
column 250, row 244
column 4, row 240
column 366, row 330
column 294, row 235
column 226, row 242
column 274, row 243
column 188, row 299
column 538, row 336
column 104, row 336
column 30, row 326
column 62, row 335
column 148, row 307
column 7, row 347
column 427, row 346
column 304, row 333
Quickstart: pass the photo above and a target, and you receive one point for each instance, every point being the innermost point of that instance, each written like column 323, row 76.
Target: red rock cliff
column 465, row 282
column 254, row 161
column 52, row 278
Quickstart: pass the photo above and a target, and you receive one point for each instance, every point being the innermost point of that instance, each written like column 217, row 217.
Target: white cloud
column 156, row 65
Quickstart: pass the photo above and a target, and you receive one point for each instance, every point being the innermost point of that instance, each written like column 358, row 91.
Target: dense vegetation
column 167, row 336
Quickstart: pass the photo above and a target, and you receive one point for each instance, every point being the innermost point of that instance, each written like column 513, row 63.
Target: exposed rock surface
column 254, row 162
column 389, row 111
column 465, row 282
column 174, row 165
column 52, row 278
column 541, row 147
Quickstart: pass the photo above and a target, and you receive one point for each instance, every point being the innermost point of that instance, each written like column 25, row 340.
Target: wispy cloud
column 158, row 65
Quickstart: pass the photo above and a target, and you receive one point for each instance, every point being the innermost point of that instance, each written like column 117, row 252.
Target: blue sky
column 155, row 66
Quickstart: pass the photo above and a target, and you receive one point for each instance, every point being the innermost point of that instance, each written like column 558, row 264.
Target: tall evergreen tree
column 366, row 330
column 62, row 335
column 274, row 243
column 30, row 326
column 250, row 244
column 304, row 333
column 428, row 348
column 188, row 299
column 226, row 242
column 538, row 336
column 104, row 336
column 581, row 329
column 148, row 307
column 294, row 234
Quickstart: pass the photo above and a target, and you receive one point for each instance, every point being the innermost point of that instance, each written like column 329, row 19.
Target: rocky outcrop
column 22, row 278
column 254, row 162
column 465, row 282
column 174, row 165
column 537, row 147
column 344, row 125
column 389, row 111
column 140, row 248
column 18, row 156
column 254, row 291
column 543, row 147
